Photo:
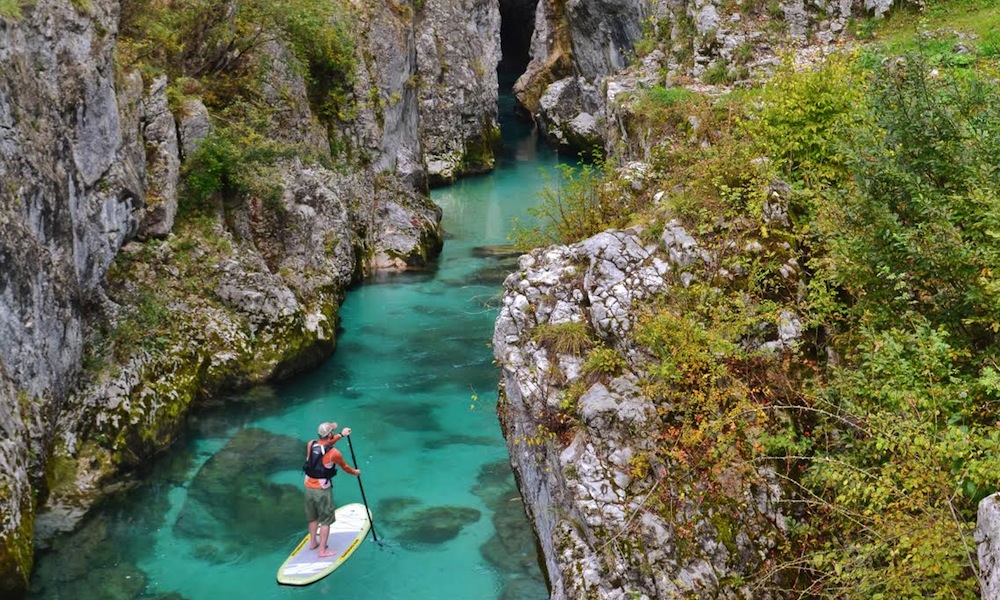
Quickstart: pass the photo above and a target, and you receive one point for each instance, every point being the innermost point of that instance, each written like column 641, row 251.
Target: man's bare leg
column 313, row 543
column 324, row 533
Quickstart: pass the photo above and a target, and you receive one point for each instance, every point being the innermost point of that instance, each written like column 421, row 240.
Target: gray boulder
column 987, row 538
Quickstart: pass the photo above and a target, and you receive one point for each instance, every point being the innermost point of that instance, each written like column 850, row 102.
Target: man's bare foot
column 314, row 546
column 325, row 553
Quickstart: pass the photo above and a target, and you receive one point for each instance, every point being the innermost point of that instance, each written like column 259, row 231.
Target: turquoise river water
column 413, row 377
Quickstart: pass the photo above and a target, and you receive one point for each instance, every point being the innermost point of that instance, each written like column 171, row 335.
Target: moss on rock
column 16, row 551
column 480, row 156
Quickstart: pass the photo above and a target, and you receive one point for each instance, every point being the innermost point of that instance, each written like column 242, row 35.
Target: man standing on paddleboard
column 322, row 460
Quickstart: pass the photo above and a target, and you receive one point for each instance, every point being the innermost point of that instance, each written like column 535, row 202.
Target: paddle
column 363, row 499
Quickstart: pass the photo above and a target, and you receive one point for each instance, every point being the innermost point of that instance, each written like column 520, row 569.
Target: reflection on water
column 413, row 377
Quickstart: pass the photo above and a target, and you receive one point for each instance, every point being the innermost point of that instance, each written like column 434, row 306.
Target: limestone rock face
column 604, row 33
column 91, row 161
column 987, row 539
column 71, row 198
column 160, row 134
column 386, row 130
column 599, row 536
column 283, row 88
column 428, row 85
column 458, row 50
column 585, row 39
column 623, row 130
column 69, row 203
column 315, row 242
column 16, row 518
column 409, row 235
column 593, row 44
column 551, row 55
column 193, row 126
column 566, row 115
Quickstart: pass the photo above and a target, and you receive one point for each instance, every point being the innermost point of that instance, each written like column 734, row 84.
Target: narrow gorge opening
column 517, row 24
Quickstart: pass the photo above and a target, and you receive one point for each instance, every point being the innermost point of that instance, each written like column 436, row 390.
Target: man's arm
column 338, row 459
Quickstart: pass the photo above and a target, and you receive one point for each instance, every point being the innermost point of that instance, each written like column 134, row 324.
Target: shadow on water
column 439, row 442
column 411, row 416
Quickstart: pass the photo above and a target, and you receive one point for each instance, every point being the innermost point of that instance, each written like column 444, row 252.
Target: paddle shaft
column 362, row 488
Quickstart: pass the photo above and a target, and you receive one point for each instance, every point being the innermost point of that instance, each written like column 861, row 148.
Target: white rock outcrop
column 601, row 534
column 987, row 540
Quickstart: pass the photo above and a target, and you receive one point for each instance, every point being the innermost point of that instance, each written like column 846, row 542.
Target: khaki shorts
column 319, row 506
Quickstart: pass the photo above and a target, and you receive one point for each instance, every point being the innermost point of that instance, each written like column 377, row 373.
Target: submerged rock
column 496, row 251
column 512, row 548
column 523, row 588
column 458, row 440
column 88, row 566
column 411, row 416
column 413, row 526
column 232, row 501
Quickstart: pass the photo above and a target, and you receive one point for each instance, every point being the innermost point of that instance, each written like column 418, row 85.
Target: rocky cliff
column 74, row 194
column 987, row 540
column 577, row 46
column 579, row 431
column 122, row 307
column 613, row 523
column 458, row 50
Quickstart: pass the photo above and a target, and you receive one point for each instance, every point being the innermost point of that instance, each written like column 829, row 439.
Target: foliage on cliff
column 229, row 54
column 220, row 44
column 859, row 198
column 223, row 52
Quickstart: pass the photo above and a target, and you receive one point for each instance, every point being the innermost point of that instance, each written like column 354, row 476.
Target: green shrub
column 803, row 116
column 668, row 96
column 989, row 44
column 900, row 491
column 664, row 111
column 918, row 229
column 233, row 163
column 220, row 43
column 895, row 203
column 717, row 74
column 322, row 37
column 604, row 361
column 580, row 202
column 904, row 265
column 10, row 9
column 571, row 337
column 684, row 353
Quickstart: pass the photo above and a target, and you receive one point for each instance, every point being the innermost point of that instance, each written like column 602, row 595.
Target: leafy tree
column 802, row 115
column 882, row 423
column 918, row 228
column 909, row 240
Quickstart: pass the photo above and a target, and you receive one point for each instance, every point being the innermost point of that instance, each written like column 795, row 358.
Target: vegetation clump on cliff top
column 225, row 54
column 859, row 196
column 220, row 44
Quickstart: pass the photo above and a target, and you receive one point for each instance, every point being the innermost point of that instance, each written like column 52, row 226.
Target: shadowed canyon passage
column 413, row 376
column 517, row 24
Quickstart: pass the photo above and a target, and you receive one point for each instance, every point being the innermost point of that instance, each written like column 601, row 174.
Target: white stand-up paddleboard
column 304, row 566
